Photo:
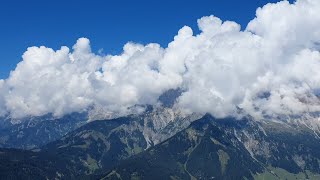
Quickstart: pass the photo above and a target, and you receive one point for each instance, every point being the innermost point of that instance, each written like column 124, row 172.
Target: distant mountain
column 228, row 149
column 35, row 132
column 168, row 98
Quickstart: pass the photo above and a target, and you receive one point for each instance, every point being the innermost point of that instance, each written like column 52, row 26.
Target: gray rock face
column 162, row 123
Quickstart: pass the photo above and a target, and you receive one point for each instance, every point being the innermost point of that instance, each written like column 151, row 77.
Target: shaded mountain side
column 100, row 145
column 168, row 98
column 228, row 149
column 22, row 164
column 60, row 162
column 37, row 131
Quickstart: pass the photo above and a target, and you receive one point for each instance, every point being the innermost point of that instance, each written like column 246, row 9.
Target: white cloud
column 270, row 68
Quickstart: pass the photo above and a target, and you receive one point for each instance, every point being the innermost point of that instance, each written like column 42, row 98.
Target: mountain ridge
column 109, row 146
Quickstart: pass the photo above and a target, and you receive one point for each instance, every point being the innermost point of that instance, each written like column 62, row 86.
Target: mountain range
column 161, row 143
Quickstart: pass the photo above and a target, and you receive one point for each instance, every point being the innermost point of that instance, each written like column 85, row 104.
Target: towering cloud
column 270, row 68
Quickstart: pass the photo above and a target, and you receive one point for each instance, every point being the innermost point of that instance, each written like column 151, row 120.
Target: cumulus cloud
column 271, row 68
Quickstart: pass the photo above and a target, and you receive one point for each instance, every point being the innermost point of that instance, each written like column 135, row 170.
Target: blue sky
column 108, row 24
